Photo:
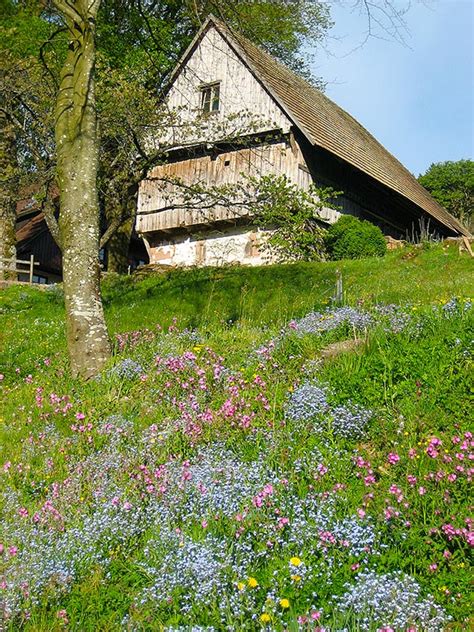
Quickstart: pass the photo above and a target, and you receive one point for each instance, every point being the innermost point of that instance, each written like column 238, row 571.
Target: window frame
column 210, row 97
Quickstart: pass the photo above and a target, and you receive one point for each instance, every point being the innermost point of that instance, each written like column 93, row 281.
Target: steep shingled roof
column 30, row 229
column 327, row 125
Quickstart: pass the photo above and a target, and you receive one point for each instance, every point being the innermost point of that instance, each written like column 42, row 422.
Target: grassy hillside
column 254, row 457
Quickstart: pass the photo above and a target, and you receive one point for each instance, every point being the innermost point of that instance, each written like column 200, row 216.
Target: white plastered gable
column 244, row 105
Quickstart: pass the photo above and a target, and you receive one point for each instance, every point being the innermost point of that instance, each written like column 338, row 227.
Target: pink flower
column 411, row 479
column 316, row 615
column 127, row 506
column 361, row 513
column 355, row 566
column 62, row 614
column 433, row 567
column 412, row 453
column 80, row 416
column 421, row 491
column 23, row 512
column 1, row 376
column 446, row 554
column 12, row 550
column 393, row 458
column 369, row 480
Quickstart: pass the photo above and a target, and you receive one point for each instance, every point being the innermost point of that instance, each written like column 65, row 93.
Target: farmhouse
column 242, row 113
column 33, row 239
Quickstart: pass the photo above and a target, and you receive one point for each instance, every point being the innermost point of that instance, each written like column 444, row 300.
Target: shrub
column 352, row 238
column 292, row 215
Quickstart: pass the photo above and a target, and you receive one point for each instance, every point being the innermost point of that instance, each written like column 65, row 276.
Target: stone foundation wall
column 210, row 248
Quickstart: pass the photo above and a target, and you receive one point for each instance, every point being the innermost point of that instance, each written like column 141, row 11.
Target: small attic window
column 210, row 97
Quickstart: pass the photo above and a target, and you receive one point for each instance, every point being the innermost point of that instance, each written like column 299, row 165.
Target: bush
column 351, row 238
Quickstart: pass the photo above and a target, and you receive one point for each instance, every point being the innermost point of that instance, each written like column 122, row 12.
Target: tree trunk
column 118, row 246
column 8, row 182
column 77, row 145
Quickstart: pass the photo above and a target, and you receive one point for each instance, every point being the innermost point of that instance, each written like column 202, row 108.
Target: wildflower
column 265, row 617
column 393, row 458
column 295, row 561
column 296, row 578
column 284, row 603
column 252, row 582
column 240, row 586
column 62, row 614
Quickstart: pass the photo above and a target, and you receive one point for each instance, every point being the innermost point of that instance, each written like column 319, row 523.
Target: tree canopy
column 451, row 183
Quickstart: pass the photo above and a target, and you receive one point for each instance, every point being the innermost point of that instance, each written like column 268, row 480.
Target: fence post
column 32, row 263
column 339, row 290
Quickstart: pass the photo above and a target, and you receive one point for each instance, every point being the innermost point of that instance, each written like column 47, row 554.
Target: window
column 210, row 97
column 42, row 280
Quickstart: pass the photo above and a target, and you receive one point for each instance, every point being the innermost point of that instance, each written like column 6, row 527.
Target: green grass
column 251, row 296
column 417, row 382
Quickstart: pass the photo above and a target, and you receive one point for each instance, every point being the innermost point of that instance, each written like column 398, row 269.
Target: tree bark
column 77, row 143
column 8, row 182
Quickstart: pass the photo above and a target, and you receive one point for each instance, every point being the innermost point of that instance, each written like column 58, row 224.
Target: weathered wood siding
column 226, row 168
column 245, row 106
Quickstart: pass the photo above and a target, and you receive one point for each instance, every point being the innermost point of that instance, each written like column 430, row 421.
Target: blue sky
column 418, row 99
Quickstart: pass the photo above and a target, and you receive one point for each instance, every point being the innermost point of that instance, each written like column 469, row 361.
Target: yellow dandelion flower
column 284, row 603
column 296, row 578
column 295, row 561
column 252, row 582
column 240, row 586
column 265, row 617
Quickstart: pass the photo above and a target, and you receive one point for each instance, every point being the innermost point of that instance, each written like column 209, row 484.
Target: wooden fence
column 15, row 270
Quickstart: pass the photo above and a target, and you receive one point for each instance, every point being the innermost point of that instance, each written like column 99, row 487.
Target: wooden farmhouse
column 240, row 113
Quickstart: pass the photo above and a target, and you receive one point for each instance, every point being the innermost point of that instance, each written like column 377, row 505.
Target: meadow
column 256, row 456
